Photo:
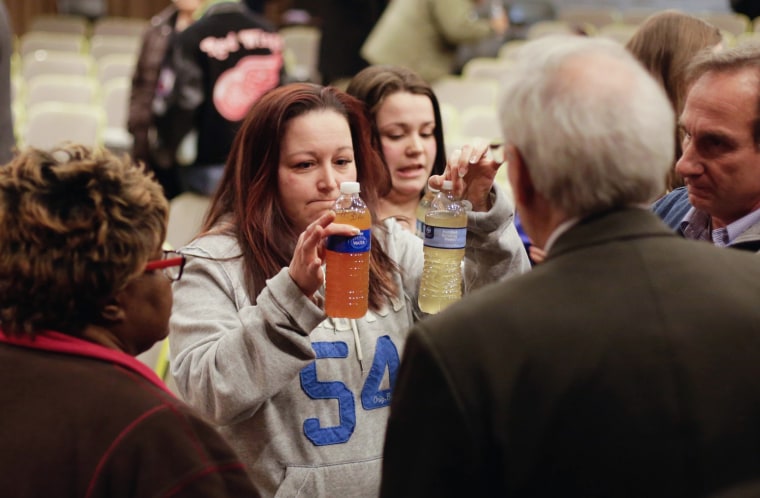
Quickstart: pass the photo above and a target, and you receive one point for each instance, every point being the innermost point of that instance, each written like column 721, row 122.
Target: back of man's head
column 594, row 130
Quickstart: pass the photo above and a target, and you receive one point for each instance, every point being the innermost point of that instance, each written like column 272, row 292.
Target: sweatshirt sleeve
column 228, row 356
column 494, row 249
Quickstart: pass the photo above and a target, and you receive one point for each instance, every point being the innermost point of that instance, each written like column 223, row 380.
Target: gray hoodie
column 284, row 383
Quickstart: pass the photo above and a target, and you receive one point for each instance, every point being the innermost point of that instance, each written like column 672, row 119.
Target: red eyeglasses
column 171, row 265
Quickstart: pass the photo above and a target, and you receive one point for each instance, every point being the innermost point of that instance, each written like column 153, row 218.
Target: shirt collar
column 696, row 225
column 561, row 228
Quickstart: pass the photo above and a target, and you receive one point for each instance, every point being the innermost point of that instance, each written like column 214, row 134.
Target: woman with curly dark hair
column 85, row 286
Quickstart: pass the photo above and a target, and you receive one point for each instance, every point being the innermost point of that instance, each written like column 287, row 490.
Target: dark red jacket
column 81, row 420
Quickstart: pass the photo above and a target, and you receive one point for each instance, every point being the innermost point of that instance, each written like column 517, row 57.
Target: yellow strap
column 162, row 363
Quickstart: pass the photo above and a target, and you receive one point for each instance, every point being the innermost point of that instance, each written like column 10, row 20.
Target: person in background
column 84, row 287
column 304, row 398
column 218, row 67
column 424, row 35
column 721, row 156
column 7, row 137
column 627, row 387
column 407, row 130
column 750, row 8
column 665, row 44
column 256, row 6
column 345, row 26
column 140, row 123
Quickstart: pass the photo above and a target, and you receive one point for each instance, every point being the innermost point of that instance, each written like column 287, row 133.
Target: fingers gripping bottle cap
column 347, row 257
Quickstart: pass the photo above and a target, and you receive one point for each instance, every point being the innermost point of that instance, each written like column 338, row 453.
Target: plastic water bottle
column 445, row 237
column 422, row 209
column 347, row 258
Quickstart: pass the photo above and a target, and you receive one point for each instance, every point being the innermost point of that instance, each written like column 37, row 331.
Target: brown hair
column 374, row 84
column 246, row 202
column 665, row 44
column 76, row 225
column 743, row 57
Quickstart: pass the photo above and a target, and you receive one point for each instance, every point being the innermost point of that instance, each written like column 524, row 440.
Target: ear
column 113, row 311
column 519, row 177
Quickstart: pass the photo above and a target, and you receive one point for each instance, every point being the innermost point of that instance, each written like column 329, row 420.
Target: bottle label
column 357, row 243
column 445, row 238
column 420, row 229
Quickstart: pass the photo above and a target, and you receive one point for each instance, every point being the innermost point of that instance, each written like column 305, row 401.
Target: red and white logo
column 238, row 88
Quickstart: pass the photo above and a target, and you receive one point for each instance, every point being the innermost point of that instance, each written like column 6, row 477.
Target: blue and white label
column 445, row 238
column 357, row 243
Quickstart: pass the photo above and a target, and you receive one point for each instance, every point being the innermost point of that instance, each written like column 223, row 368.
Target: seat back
column 74, row 89
column 51, row 123
column 481, row 122
column 509, row 49
column 121, row 26
column 731, row 22
column 59, row 42
column 301, row 52
column 60, row 23
column 54, row 62
column 101, row 45
column 620, row 32
column 186, row 213
column 115, row 103
column 595, row 16
column 463, row 92
column 637, row 15
column 544, row 28
column 115, row 66
column 486, row 68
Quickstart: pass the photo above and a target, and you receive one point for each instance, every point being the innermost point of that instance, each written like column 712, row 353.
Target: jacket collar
column 616, row 224
column 66, row 344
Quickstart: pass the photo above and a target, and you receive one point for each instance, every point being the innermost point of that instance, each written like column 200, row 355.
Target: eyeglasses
column 171, row 265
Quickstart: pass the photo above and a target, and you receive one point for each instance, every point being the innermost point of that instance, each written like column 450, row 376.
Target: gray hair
column 592, row 126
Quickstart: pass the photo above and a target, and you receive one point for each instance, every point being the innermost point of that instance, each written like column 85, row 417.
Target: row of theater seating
column 71, row 80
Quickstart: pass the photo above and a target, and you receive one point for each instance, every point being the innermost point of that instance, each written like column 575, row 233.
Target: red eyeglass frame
column 164, row 263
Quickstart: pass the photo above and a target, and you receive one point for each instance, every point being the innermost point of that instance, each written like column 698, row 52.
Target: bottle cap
column 448, row 185
column 349, row 188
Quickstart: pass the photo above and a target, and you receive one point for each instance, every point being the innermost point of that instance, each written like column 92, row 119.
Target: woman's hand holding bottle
column 308, row 257
column 473, row 169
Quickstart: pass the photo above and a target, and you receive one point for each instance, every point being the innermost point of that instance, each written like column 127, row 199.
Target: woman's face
column 406, row 123
column 316, row 155
column 147, row 304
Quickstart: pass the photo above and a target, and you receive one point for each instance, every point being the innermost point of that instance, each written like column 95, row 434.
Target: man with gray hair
column 594, row 374
column 720, row 164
